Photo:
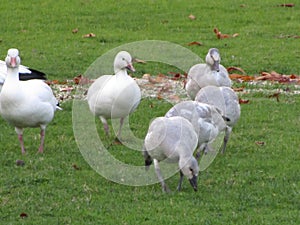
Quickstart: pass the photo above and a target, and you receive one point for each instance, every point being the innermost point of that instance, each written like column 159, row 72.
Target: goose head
column 123, row 61
column 213, row 59
column 189, row 167
column 12, row 59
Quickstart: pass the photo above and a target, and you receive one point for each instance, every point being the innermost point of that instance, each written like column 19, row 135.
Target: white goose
column 115, row 96
column 25, row 73
column 209, row 73
column 25, row 103
column 225, row 99
column 206, row 120
column 174, row 140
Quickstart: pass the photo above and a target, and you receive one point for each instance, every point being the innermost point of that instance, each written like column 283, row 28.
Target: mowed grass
column 250, row 184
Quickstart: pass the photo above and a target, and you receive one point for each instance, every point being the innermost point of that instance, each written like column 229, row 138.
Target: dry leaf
column 260, row 143
column 275, row 95
column 232, row 68
column 66, row 89
column 287, row 5
column 222, row 36
column 236, row 76
column 23, row 215
column 243, row 101
column 81, row 80
column 136, row 60
column 89, row 35
column 192, row 17
column 74, row 31
column 195, row 43
column 240, row 89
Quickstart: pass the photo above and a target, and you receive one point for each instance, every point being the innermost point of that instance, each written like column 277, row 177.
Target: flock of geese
column 188, row 127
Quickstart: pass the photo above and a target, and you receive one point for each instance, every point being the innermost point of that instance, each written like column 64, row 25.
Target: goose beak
column 130, row 67
column 194, row 182
column 216, row 66
column 13, row 61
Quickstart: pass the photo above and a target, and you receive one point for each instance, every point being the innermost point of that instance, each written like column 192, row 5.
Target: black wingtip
column 35, row 74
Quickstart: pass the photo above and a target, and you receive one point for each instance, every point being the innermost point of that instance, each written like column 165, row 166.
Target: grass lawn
column 256, row 181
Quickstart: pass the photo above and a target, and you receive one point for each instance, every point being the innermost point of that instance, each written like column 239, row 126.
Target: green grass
column 249, row 184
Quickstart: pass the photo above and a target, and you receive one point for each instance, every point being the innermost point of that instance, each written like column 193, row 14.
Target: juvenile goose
column 174, row 140
column 225, row 99
column 25, row 73
column 25, row 103
column 115, row 96
column 209, row 73
column 207, row 121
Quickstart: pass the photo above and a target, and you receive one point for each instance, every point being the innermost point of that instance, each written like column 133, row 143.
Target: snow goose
column 25, row 103
column 25, row 73
column 225, row 99
column 209, row 73
column 206, row 120
column 174, row 140
column 115, row 96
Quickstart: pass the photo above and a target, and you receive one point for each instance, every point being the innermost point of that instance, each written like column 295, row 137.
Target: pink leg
column 41, row 148
column 119, row 132
column 20, row 137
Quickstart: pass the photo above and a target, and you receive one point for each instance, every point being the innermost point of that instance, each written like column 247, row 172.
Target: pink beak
column 13, row 61
column 130, row 67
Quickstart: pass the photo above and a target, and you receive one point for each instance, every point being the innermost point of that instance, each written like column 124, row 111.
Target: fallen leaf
column 23, row 215
column 236, row 76
column 66, row 89
column 275, row 95
column 192, row 17
column 243, row 101
column 89, row 35
column 81, row 80
column 222, row 36
column 74, row 31
column 240, row 89
column 195, row 43
column 138, row 60
column 260, row 143
column 287, row 5
column 20, row 162
column 235, row 35
column 75, row 167
column 233, row 68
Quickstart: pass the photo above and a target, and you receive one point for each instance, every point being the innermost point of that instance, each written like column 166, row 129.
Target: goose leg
column 226, row 138
column 121, row 125
column 105, row 125
column 19, row 131
column 180, row 181
column 159, row 176
column 41, row 148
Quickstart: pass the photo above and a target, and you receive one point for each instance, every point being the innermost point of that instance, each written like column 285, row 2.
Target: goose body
column 225, row 99
column 209, row 73
column 115, row 96
column 207, row 121
column 25, row 103
column 174, row 140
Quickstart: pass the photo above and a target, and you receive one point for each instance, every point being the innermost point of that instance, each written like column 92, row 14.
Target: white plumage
column 209, row 73
column 25, row 73
column 25, row 103
column 115, row 96
column 206, row 120
column 225, row 99
column 174, row 140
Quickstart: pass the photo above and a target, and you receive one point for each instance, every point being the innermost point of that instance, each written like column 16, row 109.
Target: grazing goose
column 115, row 96
column 25, row 103
column 206, row 120
column 174, row 140
column 225, row 99
column 25, row 73
column 209, row 73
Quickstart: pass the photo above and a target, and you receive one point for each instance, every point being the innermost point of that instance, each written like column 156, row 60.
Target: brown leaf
column 222, row 36
column 260, row 143
column 89, row 35
column 243, row 101
column 66, row 89
column 23, row 215
column 75, row 167
column 81, row 80
column 233, row 68
column 236, row 76
column 136, row 60
column 240, row 89
column 275, row 95
column 74, row 31
column 195, row 43
column 287, row 5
